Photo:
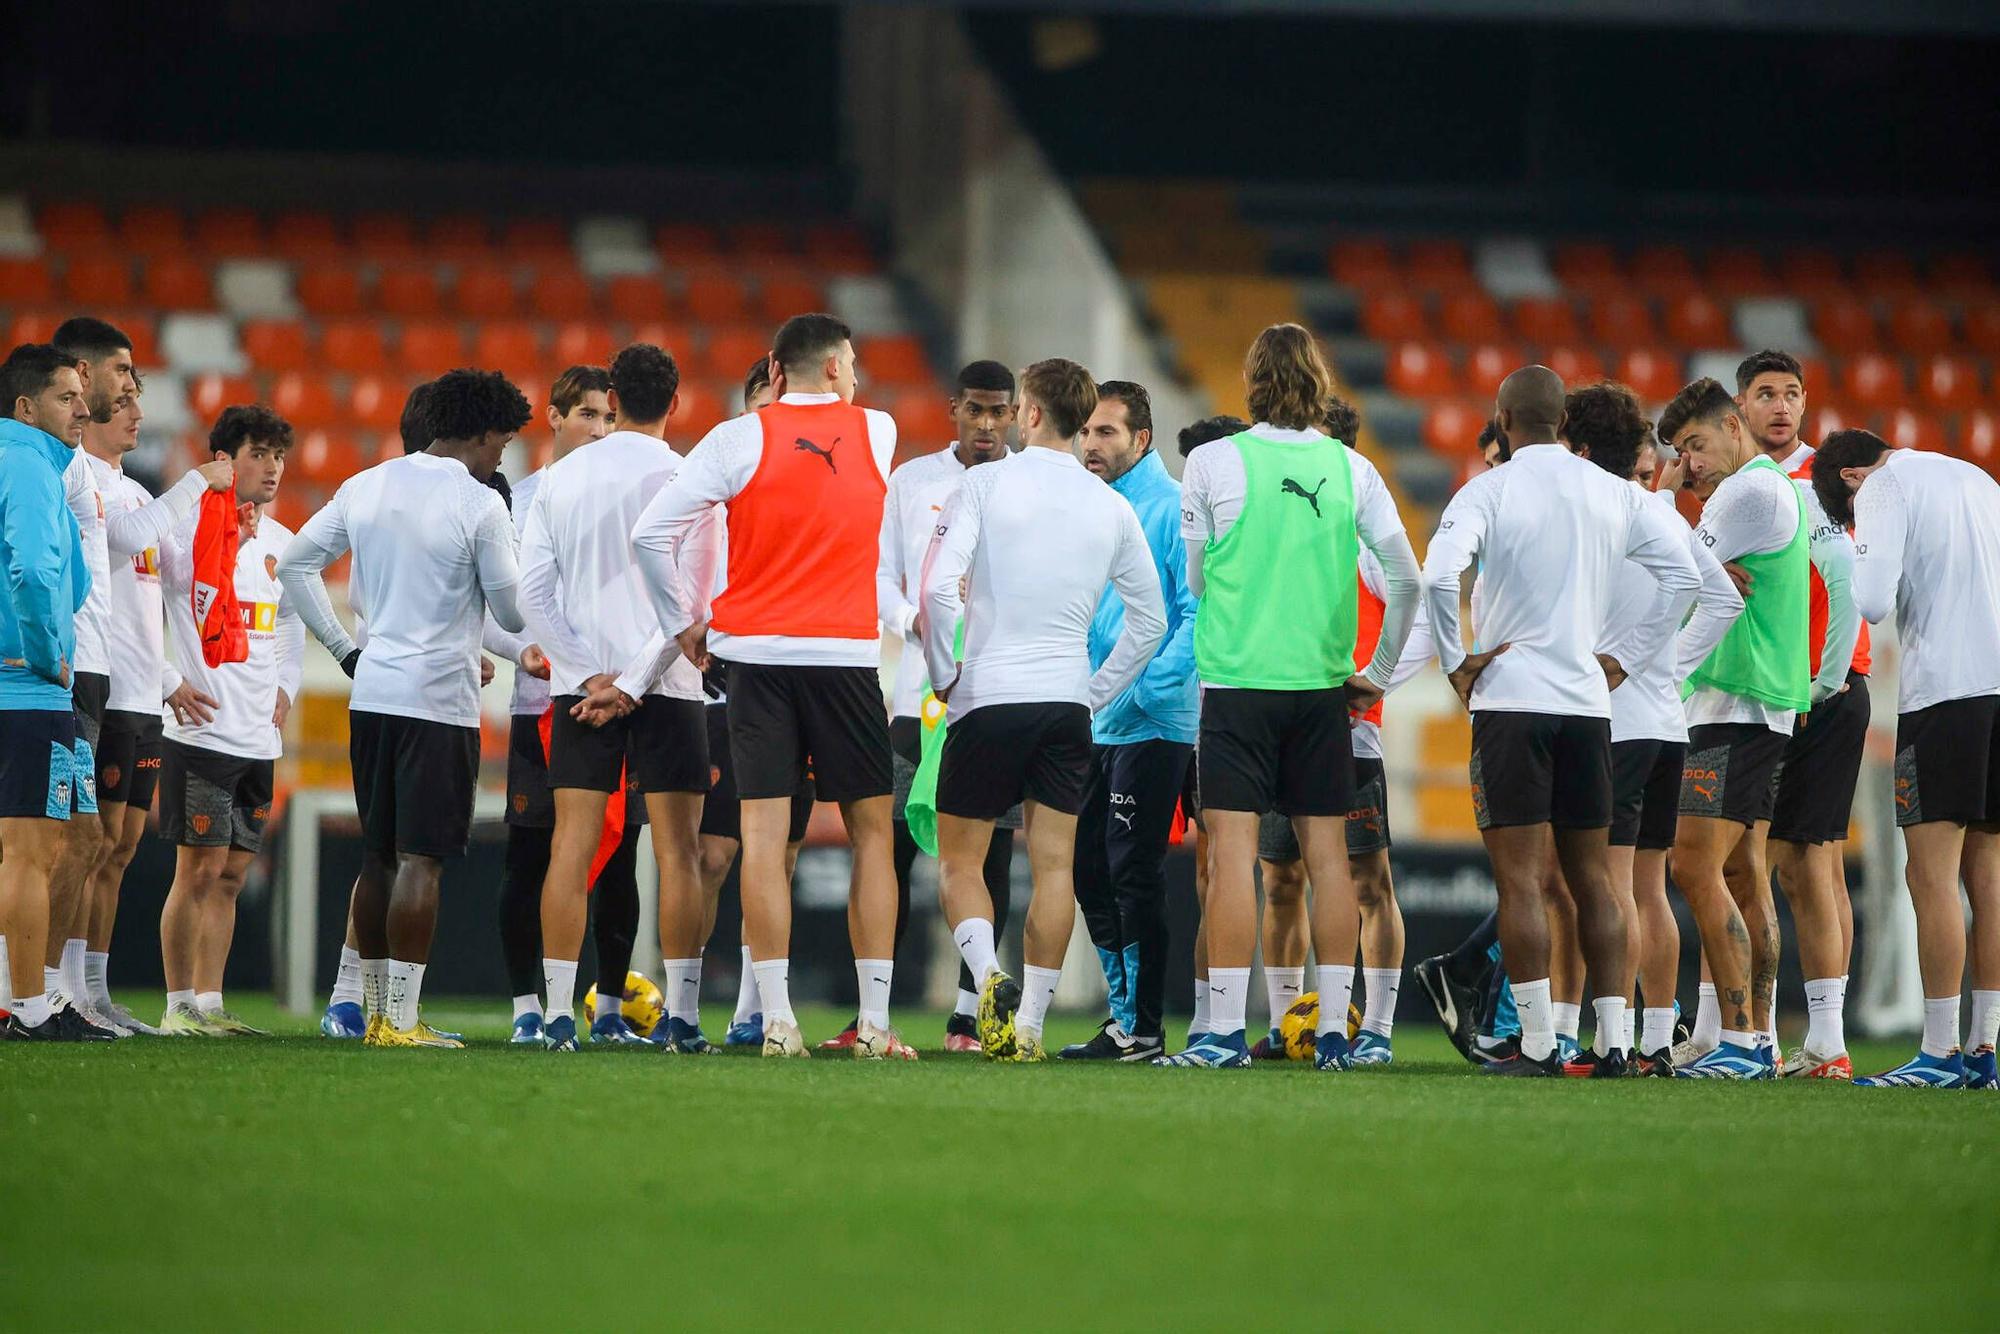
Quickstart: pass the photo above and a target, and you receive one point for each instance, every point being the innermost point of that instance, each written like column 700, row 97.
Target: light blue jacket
column 43, row 579
column 1164, row 704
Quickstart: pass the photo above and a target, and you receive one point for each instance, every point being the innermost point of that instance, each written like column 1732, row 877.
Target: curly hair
column 467, row 404
column 1343, row 420
column 1287, row 378
column 1210, row 429
column 1605, row 419
column 1843, row 449
column 645, row 377
column 241, row 425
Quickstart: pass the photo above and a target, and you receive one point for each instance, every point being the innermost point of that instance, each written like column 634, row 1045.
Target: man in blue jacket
column 43, row 581
column 1145, row 739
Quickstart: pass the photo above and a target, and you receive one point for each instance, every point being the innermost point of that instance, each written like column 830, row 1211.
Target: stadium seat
column 25, row 282
column 1652, row 374
column 430, row 348
column 1885, row 273
column 325, row 457
column 1962, row 273
column 1452, row 426
column 1982, row 327
column 1845, row 326
column 923, row 419
column 31, row 326
column 484, row 292
column 729, row 354
column 762, row 241
column 73, row 225
column 637, row 298
column 1420, row 370
column 195, row 343
column 561, row 292
column 304, row 236
column 1735, row 271
column 384, row 238
column 1363, row 262
column 304, row 400
column 173, row 283
column 375, row 402
column 1693, row 320
column 1870, row 381
column 98, row 280
column 507, row 345
column 780, row 298
column 1811, row 274
column 536, row 240
column 680, row 340
column 1391, row 316
column 1487, row 364
column 1469, row 316
column 1664, row 270
column 354, row 347
column 717, row 298
column 410, row 291
column 330, row 291
column 141, row 329
column 1919, row 327
column 1437, row 265
column 1545, row 320
column 1948, row 383
column 837, row 247
column 1590, row 268
column 277, row 346
column 256, row 289
column 1620, row 320
column 897, row 359
column 458, row 237
column 1979, row 439
column 1906, row 428
column 582, row 343
column 700, row 407
column 1827, row 420
column 152, row 229
column 687, row 243
column 1576, row 365
column 230, row 231
column 209, row 394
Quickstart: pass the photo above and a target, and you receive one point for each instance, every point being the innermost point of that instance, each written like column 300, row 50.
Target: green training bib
column 1764, row 656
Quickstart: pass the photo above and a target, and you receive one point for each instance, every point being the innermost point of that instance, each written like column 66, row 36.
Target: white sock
column 1199, row 1024
column 968, row 1004
column 97, row 977
column 527, row 1003
column 1826, row 1035
column 1038, row 988
column 74, row 982
column 1707, row 1019
column 375, row 986
column 208, row 1002
column 559, row 984
column 6, row 976
column 774, row 990
column 1283, row 986
column 1985, row 1031
column 1657, row 1029
column 1568, row 1019
column 1746, row 1040
column 746, row 992
column 872, row 979
column 1336, row 992
column 683, row 979
column 1770, row 1035
column 1611, row 1018
column 1538, row 1025
column 180, row 998
column 1940, row 1025
column 1631, row 1025
column 406, row 988
column 347, row 982
column 1381, row 984
column 33, row 1010
column 974, row 937
column 52, row 983
column 1228, row 999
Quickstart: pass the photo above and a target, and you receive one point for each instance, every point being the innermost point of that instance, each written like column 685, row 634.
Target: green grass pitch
column 298, row 1184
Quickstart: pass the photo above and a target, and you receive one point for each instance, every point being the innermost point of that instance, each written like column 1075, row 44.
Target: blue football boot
column 343, row 1019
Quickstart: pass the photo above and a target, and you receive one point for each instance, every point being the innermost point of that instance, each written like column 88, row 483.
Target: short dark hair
column 467, row 404
column 806, row 338
column 1138, row 403
column 1768, row 362
column 573, row 384
column 29, row 369
column 1197, row 434
column 990, row 377
column 1489, row 434
column 416, row 427
column 1843, row 449
column 89, row 339
column 241, row 424
column 1064, row 389
column 645, row 377
column 1343, row 420
column 756, row 378
column 1605, row 419
column 1704, row 400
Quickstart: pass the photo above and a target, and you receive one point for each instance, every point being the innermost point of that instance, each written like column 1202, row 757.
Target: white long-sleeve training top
column 1040, row 536
column 1418, row 650
column 1647, row 706
column 135, row 640
column 433, row 552
column 582, row 593
column 246, row 693
column 1927, row 539
column 93, row 618
column 915, row 501
column 1551, row 532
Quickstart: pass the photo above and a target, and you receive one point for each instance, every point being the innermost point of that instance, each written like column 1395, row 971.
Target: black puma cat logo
column 1311, row 497
column 800, row 442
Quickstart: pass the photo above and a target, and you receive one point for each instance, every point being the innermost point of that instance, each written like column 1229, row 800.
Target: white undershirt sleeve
column 1881, row 527
column 1461, row 532
column 499, row 571
column 949, row 560
column 892, row 603
column 1833, row 557
column 131, row 532
column 320, row 542
column 541, row 595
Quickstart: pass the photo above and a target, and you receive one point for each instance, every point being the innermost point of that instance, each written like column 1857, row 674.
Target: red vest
column 805, row 534
column 1862, row 660
column 218, row 616
column 1367, row 634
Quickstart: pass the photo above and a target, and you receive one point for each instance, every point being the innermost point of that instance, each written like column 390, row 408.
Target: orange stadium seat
column 1961, row 273
column 1437, row 264
column 637, row 298
column 894, row 359
column 375, row 402
column 1693, row 320
column 326, row 457
column 25, row 282
column 354, row 346
column 73, row 225
column 1870, row 381
column 1885, row 273
column 458, row 236
column 1469, row 316
column 1811, row 274
column 1621, row 320
column 681, row 341
column 209, row 394
column 32, row 326
column 384, row 238
column 430, row 348
column 1590, row 268
column 731, row 352
column 1664, row 270
column 1845, row 326
column 484, row 292
column 141, row 329
column 330, row 290
column 98, row 280
column 507, row 345
column 152, row 229
column 276, row 346
column 538, row 240
column 174, row 283
column 304, row 400
column 1545, row 319
column 1737, row 271
column 1948, row 383
column 230, row 231
column 923, row 420
column 306, row 236
column 1452, row 426
column 717, row 298
column 409, row 291
column 1653, row 375
column 1979, row 439
column 685, row 243
column 1390, row 316
column 1420, row 370
column 758, row 241
column 700, row 407
column 1982, row 327
column 1907, row 428
column 1487, row 364
column 1364, row 262
column 1919, row 327
column 1576, row 365
column 561, row 292
column 581, row 343
column 780, row 298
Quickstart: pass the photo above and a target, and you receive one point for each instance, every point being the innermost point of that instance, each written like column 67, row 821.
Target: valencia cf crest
column 270, row 567
column 200, row 823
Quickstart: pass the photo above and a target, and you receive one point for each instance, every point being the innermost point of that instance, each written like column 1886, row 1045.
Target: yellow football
column 1299, row 1026
column 643, row 1006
